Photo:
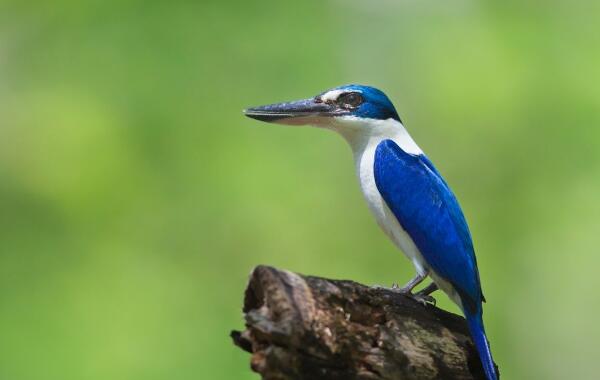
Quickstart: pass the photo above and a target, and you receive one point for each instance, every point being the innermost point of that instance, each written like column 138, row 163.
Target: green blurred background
column 135, row 198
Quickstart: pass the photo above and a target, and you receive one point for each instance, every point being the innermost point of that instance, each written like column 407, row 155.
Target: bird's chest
column 366, row 176
column 383, row 215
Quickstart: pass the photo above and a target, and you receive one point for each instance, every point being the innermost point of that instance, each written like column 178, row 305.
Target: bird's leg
column 424, row 296
column 428, row 289
column 407, row 289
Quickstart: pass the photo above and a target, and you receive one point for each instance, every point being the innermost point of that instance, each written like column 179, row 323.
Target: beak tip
column 248, row 113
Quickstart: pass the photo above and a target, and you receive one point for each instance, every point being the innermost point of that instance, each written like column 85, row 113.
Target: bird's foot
column 424, row 299
column 421, row 297
column 394, row 288
column 406, row 290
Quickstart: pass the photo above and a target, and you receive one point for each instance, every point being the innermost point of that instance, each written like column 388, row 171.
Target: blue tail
column 475, row 323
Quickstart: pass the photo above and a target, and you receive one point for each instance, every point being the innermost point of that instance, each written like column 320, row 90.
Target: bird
column 408, row 196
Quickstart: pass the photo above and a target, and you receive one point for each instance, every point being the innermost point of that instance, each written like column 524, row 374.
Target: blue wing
column 429, row 212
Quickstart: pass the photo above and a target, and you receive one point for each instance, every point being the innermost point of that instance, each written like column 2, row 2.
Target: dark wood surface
column 311, row 328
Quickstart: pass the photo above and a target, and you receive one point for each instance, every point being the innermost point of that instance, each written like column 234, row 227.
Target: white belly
column 384, row 216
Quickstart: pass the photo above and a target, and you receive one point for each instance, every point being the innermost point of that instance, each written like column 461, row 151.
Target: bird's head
column 349, row 106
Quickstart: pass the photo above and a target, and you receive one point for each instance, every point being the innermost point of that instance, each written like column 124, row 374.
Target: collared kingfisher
column 410, row 199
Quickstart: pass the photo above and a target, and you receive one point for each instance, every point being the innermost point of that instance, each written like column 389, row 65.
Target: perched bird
column 410, row 199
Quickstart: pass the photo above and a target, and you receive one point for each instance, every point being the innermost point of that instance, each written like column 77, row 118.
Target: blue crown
column 375, row 105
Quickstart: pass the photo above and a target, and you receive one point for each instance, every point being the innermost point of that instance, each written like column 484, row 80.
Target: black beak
column 300, row 108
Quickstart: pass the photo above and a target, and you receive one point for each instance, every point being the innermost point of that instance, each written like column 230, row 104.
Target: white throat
column 363, row 134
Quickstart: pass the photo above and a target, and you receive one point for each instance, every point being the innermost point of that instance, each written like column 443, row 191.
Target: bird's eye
column 350, row 100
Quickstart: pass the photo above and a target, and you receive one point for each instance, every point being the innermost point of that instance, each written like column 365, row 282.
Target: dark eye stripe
column 350, row 100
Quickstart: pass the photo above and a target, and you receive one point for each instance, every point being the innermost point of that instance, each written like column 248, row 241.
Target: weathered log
column 310, row 328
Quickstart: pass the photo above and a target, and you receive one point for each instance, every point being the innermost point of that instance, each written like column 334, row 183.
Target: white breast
column 364, row 140
column 383, row 215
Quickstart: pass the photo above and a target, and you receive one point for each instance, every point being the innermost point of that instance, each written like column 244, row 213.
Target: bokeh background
column 135, row 198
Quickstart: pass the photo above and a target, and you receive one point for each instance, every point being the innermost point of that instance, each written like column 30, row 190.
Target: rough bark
column 309, row 328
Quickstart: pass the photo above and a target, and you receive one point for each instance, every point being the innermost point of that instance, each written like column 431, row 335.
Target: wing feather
column 428, row 210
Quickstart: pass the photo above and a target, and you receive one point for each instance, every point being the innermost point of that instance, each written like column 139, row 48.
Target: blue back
column 429, row 212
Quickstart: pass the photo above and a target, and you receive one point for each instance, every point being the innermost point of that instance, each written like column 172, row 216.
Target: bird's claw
column 420, row 297
column 394, row 288
column 423, row 299
column 402, row 290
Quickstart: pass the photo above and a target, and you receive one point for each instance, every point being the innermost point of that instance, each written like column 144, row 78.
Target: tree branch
column 310, row 328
